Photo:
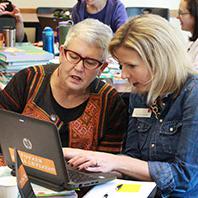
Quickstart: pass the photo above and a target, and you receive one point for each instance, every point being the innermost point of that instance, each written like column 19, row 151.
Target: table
column 136, row 189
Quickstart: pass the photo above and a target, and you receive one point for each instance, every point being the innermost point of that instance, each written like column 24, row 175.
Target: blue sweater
column 114, row 13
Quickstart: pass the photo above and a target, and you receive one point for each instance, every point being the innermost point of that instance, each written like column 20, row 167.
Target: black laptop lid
column 38, row 146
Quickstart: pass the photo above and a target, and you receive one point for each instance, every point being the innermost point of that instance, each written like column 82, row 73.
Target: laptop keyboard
column 77, row 176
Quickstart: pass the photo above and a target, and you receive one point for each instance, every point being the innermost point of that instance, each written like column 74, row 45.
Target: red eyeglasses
column 75, row 58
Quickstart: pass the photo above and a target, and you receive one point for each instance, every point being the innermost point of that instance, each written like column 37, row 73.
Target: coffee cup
column 10, row 37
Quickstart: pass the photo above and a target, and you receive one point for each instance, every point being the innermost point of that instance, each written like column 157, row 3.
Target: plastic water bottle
column 48, row 39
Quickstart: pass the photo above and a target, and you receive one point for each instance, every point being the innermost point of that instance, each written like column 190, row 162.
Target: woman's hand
column 95, row 161
column 2, row 8
column 91, row 160
column 105, row 162
column 15, row 12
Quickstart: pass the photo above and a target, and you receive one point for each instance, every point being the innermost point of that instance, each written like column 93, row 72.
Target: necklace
column 156, row 109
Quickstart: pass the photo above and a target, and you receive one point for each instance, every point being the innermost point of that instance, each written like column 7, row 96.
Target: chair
column 133, row 11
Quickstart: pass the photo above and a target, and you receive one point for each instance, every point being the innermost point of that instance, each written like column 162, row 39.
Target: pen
column 116, row 189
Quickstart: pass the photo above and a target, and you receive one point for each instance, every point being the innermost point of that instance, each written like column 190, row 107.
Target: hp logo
column 27, row 143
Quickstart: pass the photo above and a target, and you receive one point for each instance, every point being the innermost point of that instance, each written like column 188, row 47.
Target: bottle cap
column 48, row 28
column 68, row 22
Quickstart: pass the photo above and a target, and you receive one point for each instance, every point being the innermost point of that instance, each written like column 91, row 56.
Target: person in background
column 188, row 16
column 89, row 113
column 20, row 35
column 110, row 12
column 161, row 143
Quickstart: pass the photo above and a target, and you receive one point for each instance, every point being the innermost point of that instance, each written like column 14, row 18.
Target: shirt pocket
column 143, row 128
column 169, row 136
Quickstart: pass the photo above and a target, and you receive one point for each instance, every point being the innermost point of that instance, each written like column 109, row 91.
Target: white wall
column 172, row 4
column 43, row 3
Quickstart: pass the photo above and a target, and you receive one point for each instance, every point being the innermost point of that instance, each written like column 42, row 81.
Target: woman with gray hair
column 84, row 108
column 161, row 143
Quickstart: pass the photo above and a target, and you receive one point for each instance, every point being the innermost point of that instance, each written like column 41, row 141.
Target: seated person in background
column 188, row 16
column 89, row 113
column 161, row 143
column 20, row 35
column 110, row 12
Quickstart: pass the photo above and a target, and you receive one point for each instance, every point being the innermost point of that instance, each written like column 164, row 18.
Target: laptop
column 38, row 144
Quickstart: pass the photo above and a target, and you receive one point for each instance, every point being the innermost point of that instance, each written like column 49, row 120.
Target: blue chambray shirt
column 170, row 143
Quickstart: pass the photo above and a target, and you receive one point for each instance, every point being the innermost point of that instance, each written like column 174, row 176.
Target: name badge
column 141, row 113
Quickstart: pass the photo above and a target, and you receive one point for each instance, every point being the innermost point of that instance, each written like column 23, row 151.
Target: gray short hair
column 92, row 31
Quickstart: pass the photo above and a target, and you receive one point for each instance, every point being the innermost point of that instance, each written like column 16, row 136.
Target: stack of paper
column 23, row 55
column 121, row 188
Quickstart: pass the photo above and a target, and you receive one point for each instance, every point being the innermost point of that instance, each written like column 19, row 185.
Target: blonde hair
column 160, row 47
column 91, row 31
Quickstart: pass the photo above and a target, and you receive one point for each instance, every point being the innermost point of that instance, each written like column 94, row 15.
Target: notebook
column 38, row 144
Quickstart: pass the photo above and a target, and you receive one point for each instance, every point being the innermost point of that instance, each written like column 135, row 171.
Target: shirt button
column 53, row 117
column 171, row 129
column 163, row 104
column 152, row 145
column 161, row 120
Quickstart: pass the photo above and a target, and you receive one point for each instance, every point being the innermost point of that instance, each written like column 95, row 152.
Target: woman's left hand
column 95, row 162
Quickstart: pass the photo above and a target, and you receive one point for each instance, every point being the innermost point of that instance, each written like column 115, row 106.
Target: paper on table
column 130, row 189
column 43, row 192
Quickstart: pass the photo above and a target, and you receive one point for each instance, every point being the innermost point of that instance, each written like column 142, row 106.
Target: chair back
column 51, row 16
column 133, row 11
column 7, row 22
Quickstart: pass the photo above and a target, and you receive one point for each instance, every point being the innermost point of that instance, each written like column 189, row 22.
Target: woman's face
column 134, row 69
column 75, row 76
column 186, row 19
column 92, row 2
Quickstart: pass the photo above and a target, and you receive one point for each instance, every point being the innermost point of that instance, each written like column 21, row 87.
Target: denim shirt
column 169, row 143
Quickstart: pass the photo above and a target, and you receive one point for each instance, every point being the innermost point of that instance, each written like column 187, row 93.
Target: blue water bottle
column 48, row 39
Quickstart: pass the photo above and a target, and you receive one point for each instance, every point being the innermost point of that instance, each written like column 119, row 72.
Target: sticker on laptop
column 35, row 162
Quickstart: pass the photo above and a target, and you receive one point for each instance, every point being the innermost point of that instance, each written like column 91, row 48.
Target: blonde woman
column 161, row 143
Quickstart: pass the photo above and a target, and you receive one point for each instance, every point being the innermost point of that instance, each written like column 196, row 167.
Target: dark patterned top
column 100, row 122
